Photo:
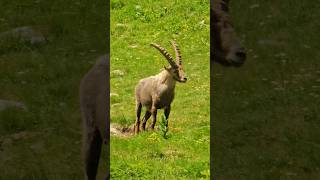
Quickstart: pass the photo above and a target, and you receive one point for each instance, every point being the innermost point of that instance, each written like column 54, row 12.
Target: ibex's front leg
column 92, row 149
column 145, row 119
column 167, row 112
column 154, row 117
column 138, row 112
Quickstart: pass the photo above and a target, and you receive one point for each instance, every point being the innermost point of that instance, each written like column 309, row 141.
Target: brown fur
column 226, row 48
column 157, row 92
column 93, row 103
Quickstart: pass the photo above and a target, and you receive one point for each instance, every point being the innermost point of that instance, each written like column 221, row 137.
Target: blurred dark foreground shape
column 227, row 49
column 94, row 101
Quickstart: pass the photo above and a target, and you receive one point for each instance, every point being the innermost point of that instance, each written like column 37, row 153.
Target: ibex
column 226, row 48
column 157, row 92
column 94, row 105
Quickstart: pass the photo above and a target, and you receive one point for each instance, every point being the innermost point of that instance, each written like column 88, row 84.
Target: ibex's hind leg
column 145, row 119
column 138, row 113
column 167, row 113
column 154, row 117
column 92, row 150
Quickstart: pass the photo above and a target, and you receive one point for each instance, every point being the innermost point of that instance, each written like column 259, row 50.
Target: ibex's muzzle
column 227, row 49
column 236, row 56
column 184, row 79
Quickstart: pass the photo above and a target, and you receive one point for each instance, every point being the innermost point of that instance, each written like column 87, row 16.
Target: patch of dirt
column 121, row 131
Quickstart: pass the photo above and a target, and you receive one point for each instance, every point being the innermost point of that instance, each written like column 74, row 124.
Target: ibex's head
column 226, row 45
column 176, row 69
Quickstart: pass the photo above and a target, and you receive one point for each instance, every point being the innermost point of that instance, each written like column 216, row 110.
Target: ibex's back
column 156, row 86
column 157, row 92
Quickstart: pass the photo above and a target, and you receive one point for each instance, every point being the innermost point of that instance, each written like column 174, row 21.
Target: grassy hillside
column 44, row 141
column 266, row 112
column 134, row 25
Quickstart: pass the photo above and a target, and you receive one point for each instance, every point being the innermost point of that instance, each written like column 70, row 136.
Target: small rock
column 21, row 72
column 306, row 46
column 62, row 104
column 133, row 46
column 121, row 25
column 117, row 73
column 137, row 7
column 253, row 6
column 114, row 94
column 281, row 54
column 269, row 16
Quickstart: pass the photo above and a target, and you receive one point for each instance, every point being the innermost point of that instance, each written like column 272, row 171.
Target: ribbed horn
column 165, row 54
column 177, row 51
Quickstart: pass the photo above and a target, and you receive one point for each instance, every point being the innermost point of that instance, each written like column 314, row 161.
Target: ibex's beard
column 182, row 81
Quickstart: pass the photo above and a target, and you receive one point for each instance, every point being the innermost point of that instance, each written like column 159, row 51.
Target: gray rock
column 117, row 73
column 114, row 95
column 25, row 34
column 4, row 104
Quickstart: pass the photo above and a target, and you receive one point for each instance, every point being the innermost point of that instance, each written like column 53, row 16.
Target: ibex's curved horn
column 177, row 51
column 165, row 54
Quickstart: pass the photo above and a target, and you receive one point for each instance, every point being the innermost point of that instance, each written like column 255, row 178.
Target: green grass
column 134, row 25
column 266, row 112
column 44, row 142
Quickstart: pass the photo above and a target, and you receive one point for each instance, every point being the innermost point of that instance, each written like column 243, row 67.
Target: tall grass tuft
column 164, row 127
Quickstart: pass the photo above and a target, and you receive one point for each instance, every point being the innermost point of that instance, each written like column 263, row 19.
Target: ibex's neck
column 167, row 78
